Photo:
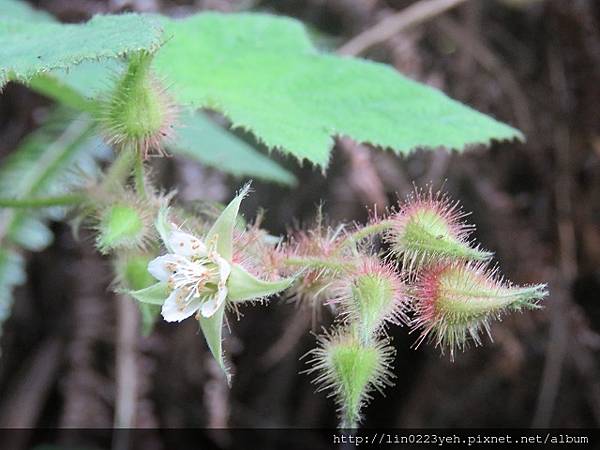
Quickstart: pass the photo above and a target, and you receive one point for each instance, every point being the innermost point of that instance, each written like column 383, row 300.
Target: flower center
column 196, row 278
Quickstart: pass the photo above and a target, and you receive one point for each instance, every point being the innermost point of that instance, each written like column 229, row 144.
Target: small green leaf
column 212, row 328
column 222, row 229
column 199, row 138
column 244, row 286
column 30, row 48
column 262, row 73
column 152, row 295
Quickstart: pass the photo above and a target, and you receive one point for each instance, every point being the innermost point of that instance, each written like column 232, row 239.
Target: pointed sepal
column 222, row 230
column 164, row 227
column 152, row 295
column 243, row 286
column 212, row 328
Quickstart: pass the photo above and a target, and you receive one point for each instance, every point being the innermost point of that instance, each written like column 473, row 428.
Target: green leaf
column 261, row 72
column 243, row 286
column 212, row 328
column 152, row 295
column 57, row 89
column 199, row 138
column 30, row 48
column 196, row 136
column 222, row 229
column 80, row 86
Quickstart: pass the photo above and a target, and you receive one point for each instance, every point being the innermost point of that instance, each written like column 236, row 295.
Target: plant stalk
column 120, row 169
column 43, row 202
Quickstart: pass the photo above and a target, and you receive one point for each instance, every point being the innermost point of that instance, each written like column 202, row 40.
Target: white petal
column 211, row 306
column 174, row 310
column 224, row 268
column 185, row 244
column 159, row 267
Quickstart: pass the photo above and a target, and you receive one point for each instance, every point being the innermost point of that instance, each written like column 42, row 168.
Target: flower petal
column 211, row 306
column 159, row 267
column 175, row 308
column 185, row 244
column 224, row 268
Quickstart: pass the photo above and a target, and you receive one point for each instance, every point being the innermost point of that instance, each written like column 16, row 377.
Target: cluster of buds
column 434, row 278
column 431, row 276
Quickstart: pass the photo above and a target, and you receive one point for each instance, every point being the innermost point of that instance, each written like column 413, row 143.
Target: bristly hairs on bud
column 428, row 228
column 125, row 222
column 259, row 252
column 454, row 302
column 351, row 371
column 139, row 113
column 320, row 259
column 372, row 296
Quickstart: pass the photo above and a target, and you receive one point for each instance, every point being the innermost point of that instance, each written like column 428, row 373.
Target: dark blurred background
column 534, row 64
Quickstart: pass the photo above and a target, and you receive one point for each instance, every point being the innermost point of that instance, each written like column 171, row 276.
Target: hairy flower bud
column 320, row 261
column 453, row 302
column 126, row 224
column 138, row 113
column 372, row 296
column 428, row 229
column 351, row 370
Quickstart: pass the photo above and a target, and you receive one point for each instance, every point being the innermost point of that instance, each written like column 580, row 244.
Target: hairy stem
column 369, row 230
column 120, row 169
column 138, row 173
column 318, row 263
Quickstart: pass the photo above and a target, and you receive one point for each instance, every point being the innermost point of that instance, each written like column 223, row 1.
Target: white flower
column 196, row 274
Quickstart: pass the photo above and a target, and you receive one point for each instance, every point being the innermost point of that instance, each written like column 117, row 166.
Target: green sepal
column 152, row 295
column 164, row 227
column 222, row 230
column 242, row 286
column 212, row 328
